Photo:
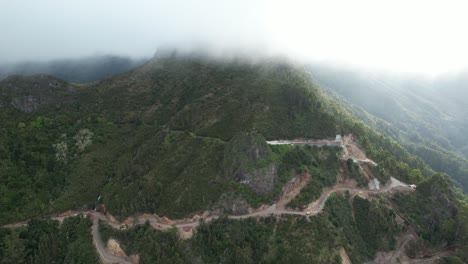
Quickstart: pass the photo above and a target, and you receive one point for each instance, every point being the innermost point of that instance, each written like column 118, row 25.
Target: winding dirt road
column 265, row 211
column 314, row 208
column 348, row 143
column 156, row 222
column 106, row 257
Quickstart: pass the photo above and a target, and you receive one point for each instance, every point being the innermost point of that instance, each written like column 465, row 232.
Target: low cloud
column 395, row 35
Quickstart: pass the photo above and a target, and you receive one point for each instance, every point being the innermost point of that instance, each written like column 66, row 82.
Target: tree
column 14, row 249
column 415, row 176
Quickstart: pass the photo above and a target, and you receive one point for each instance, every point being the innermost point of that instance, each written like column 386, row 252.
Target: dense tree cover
column 32, row 174
column 157, row 137
column 438, row 213
column 443, row 161
column 320, row 162
column 270, row 240
column 427, row 118
column 74, row 70
column 353, row 171
column 244, row 153
column 152, row 246
column 127, row 116
column 376, row 223
column 44, row 241
column 174, row 174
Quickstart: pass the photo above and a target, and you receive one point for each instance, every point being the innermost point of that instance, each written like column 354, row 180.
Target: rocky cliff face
column 232, row 204
column 248, row 159
column 29, row 94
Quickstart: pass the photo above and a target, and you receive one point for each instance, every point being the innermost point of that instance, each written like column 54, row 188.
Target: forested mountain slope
column 427, row 116
column 123, row 130
column 74, row 70
column 183, row 134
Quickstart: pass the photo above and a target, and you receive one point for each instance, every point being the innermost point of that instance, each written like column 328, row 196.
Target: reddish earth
column 186, row 226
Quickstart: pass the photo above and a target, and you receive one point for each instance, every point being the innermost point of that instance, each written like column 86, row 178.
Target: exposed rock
column 26, row 103
column 185, row 232
column 135, row 258
column 166, row 221
column 292, row 188
column 344, row 257
column 263, row 180
column 111, row 218
column 130, row 220
column 247, row 158
column 229, row 204
column 30, row 93
column 114, row 248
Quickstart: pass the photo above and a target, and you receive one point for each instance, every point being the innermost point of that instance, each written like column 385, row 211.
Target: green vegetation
column 383, row 176
column 129, row 115
column 74, row 70
column 246, row 151
column 152, row 246
column 174, row 174
column 176, row 134
column 427, row 118
column 320, row 163
column 438, row 213
column 271, row 240
column 137, row 165
column 354, row 172
column 375, row 223
column 44, row 241
column 37, row 159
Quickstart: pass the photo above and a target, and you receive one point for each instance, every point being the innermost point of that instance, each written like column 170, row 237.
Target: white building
column 338, row 139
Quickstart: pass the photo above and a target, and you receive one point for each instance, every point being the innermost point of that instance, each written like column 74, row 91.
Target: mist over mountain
column 248, row 145
column 77, row 70
column 426, row 115
column 247, row 131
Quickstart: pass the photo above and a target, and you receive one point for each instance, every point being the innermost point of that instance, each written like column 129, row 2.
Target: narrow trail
column 105, row 256
column 348, row 143
column 162, row 223
column 292, row 188
column 434, row 259
column 156, row 222
column 344, row 257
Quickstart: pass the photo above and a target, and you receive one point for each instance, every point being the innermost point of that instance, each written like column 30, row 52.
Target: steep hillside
column 74, row 70
column 425, row 116
column 185, row 134
column 121, row 138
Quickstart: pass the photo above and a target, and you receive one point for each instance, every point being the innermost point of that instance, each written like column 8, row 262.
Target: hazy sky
column 398, row 35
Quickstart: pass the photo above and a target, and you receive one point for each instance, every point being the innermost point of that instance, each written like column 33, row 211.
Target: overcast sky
column 398, row 35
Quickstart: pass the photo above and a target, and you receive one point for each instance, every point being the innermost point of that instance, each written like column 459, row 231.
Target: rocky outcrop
column 232, row 205
column 262, row 180
column 248, row 159
column 30, row 93
column 114, row 248
column 185, row 232
column 135, row 258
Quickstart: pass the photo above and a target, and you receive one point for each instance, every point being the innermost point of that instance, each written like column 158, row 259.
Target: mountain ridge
column 177, row 136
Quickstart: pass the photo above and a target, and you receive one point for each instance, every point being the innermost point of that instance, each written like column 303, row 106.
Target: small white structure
column 338, row 139
column 374, row 184
column 412, row 186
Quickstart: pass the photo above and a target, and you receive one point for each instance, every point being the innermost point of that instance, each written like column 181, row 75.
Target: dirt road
column 348, row 143
column 155, row 221
column 275, row 209
column 106, row 257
